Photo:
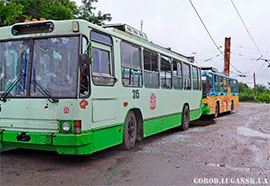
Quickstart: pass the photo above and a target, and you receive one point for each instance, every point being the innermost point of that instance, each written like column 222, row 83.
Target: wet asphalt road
column 233, row 145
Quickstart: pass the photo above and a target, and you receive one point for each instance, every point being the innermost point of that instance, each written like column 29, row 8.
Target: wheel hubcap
column 131, row 129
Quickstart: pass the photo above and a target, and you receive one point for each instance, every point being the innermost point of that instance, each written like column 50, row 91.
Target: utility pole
column 254, row 77
column 227, row 54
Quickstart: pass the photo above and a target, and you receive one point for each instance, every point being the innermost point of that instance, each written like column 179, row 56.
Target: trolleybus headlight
column 65, row 127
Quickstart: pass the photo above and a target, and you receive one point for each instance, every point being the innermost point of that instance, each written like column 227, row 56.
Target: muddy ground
column 232, row 146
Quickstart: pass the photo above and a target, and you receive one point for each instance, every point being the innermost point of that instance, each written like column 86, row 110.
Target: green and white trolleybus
column 76, row 88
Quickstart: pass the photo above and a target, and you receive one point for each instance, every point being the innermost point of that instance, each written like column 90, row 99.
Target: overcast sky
column 174, row 23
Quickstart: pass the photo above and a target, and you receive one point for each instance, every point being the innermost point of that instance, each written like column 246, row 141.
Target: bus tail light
column 77, row 127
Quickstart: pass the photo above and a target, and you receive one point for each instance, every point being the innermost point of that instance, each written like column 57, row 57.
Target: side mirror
column 84, row 60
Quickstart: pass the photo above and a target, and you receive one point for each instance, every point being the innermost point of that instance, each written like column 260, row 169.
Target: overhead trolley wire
column 205, row 27
column 261, row 69
column 236, row 69
column 248, row 48
column 251, row 37
column 212, row 39
column 263, row 72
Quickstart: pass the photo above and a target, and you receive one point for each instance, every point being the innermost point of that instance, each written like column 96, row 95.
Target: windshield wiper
column 13, row 84
column 45, row 92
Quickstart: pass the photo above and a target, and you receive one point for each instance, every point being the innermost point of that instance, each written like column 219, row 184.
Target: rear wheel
column 185, row 118
column 130, row 131
column 217, row 110
column 232, row 106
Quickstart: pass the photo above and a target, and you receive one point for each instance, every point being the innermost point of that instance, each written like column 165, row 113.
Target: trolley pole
column 254, row 77
column 227, row 54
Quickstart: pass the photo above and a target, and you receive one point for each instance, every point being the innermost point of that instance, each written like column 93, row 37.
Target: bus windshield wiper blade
column 45, row 92
column 13, row 84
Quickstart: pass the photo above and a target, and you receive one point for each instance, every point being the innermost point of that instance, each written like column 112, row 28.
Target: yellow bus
column 220, row 93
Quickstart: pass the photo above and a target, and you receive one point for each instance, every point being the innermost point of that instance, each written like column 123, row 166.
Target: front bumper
column 70, row 144
column 206, row 110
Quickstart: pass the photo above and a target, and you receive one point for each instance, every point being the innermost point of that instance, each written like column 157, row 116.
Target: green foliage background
column 247, row 94
column 14, row 11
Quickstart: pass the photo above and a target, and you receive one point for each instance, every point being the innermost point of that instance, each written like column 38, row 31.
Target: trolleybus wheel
column 130, row 131
column 232, row 106
column 185, row 118
column 217, row 111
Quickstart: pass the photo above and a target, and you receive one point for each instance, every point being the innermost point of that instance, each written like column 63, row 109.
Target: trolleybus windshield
column 53, row 65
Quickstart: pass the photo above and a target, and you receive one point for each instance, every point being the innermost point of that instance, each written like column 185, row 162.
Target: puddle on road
column 173, row 139
column 157, row 148
column 177, row 138
column 196, row 130
column 248, row 132
column 238, row 113
column 255, row 147
column 226, row 166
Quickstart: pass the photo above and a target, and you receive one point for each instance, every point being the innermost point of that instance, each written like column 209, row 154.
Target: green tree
column 10, row 12
column 242, row 87
column 263, row 98
column 49, row 9
column 262, row 89
column 87, row 12
column 247, row 94
column 13, row 11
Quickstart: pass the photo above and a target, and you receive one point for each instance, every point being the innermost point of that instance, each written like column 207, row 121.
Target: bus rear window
column 32, row 28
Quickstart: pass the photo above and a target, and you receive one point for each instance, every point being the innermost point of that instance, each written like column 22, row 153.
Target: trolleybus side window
column 233, row 86
column 216, row 83
column 131, row 65
column 151, row 72
column 186, row 76
column 230, row 84
column 210, row 83
column 166, row 72
column 200, row 78
column 221, row 84
column 177, row 75
column 101, row 38
column 236, row 86
column 225, row 84
column 84, row 79
column 102, row 59
column 195, row 78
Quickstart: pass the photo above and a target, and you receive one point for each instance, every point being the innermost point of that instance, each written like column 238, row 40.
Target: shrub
column 246, row 96
column 263, row 98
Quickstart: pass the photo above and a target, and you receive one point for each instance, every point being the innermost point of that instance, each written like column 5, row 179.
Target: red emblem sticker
column 83, row 104
column 152, row 101
column 66, row 110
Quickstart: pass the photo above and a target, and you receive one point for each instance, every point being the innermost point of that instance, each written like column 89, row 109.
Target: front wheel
column 185, row 118
column 130, row 131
